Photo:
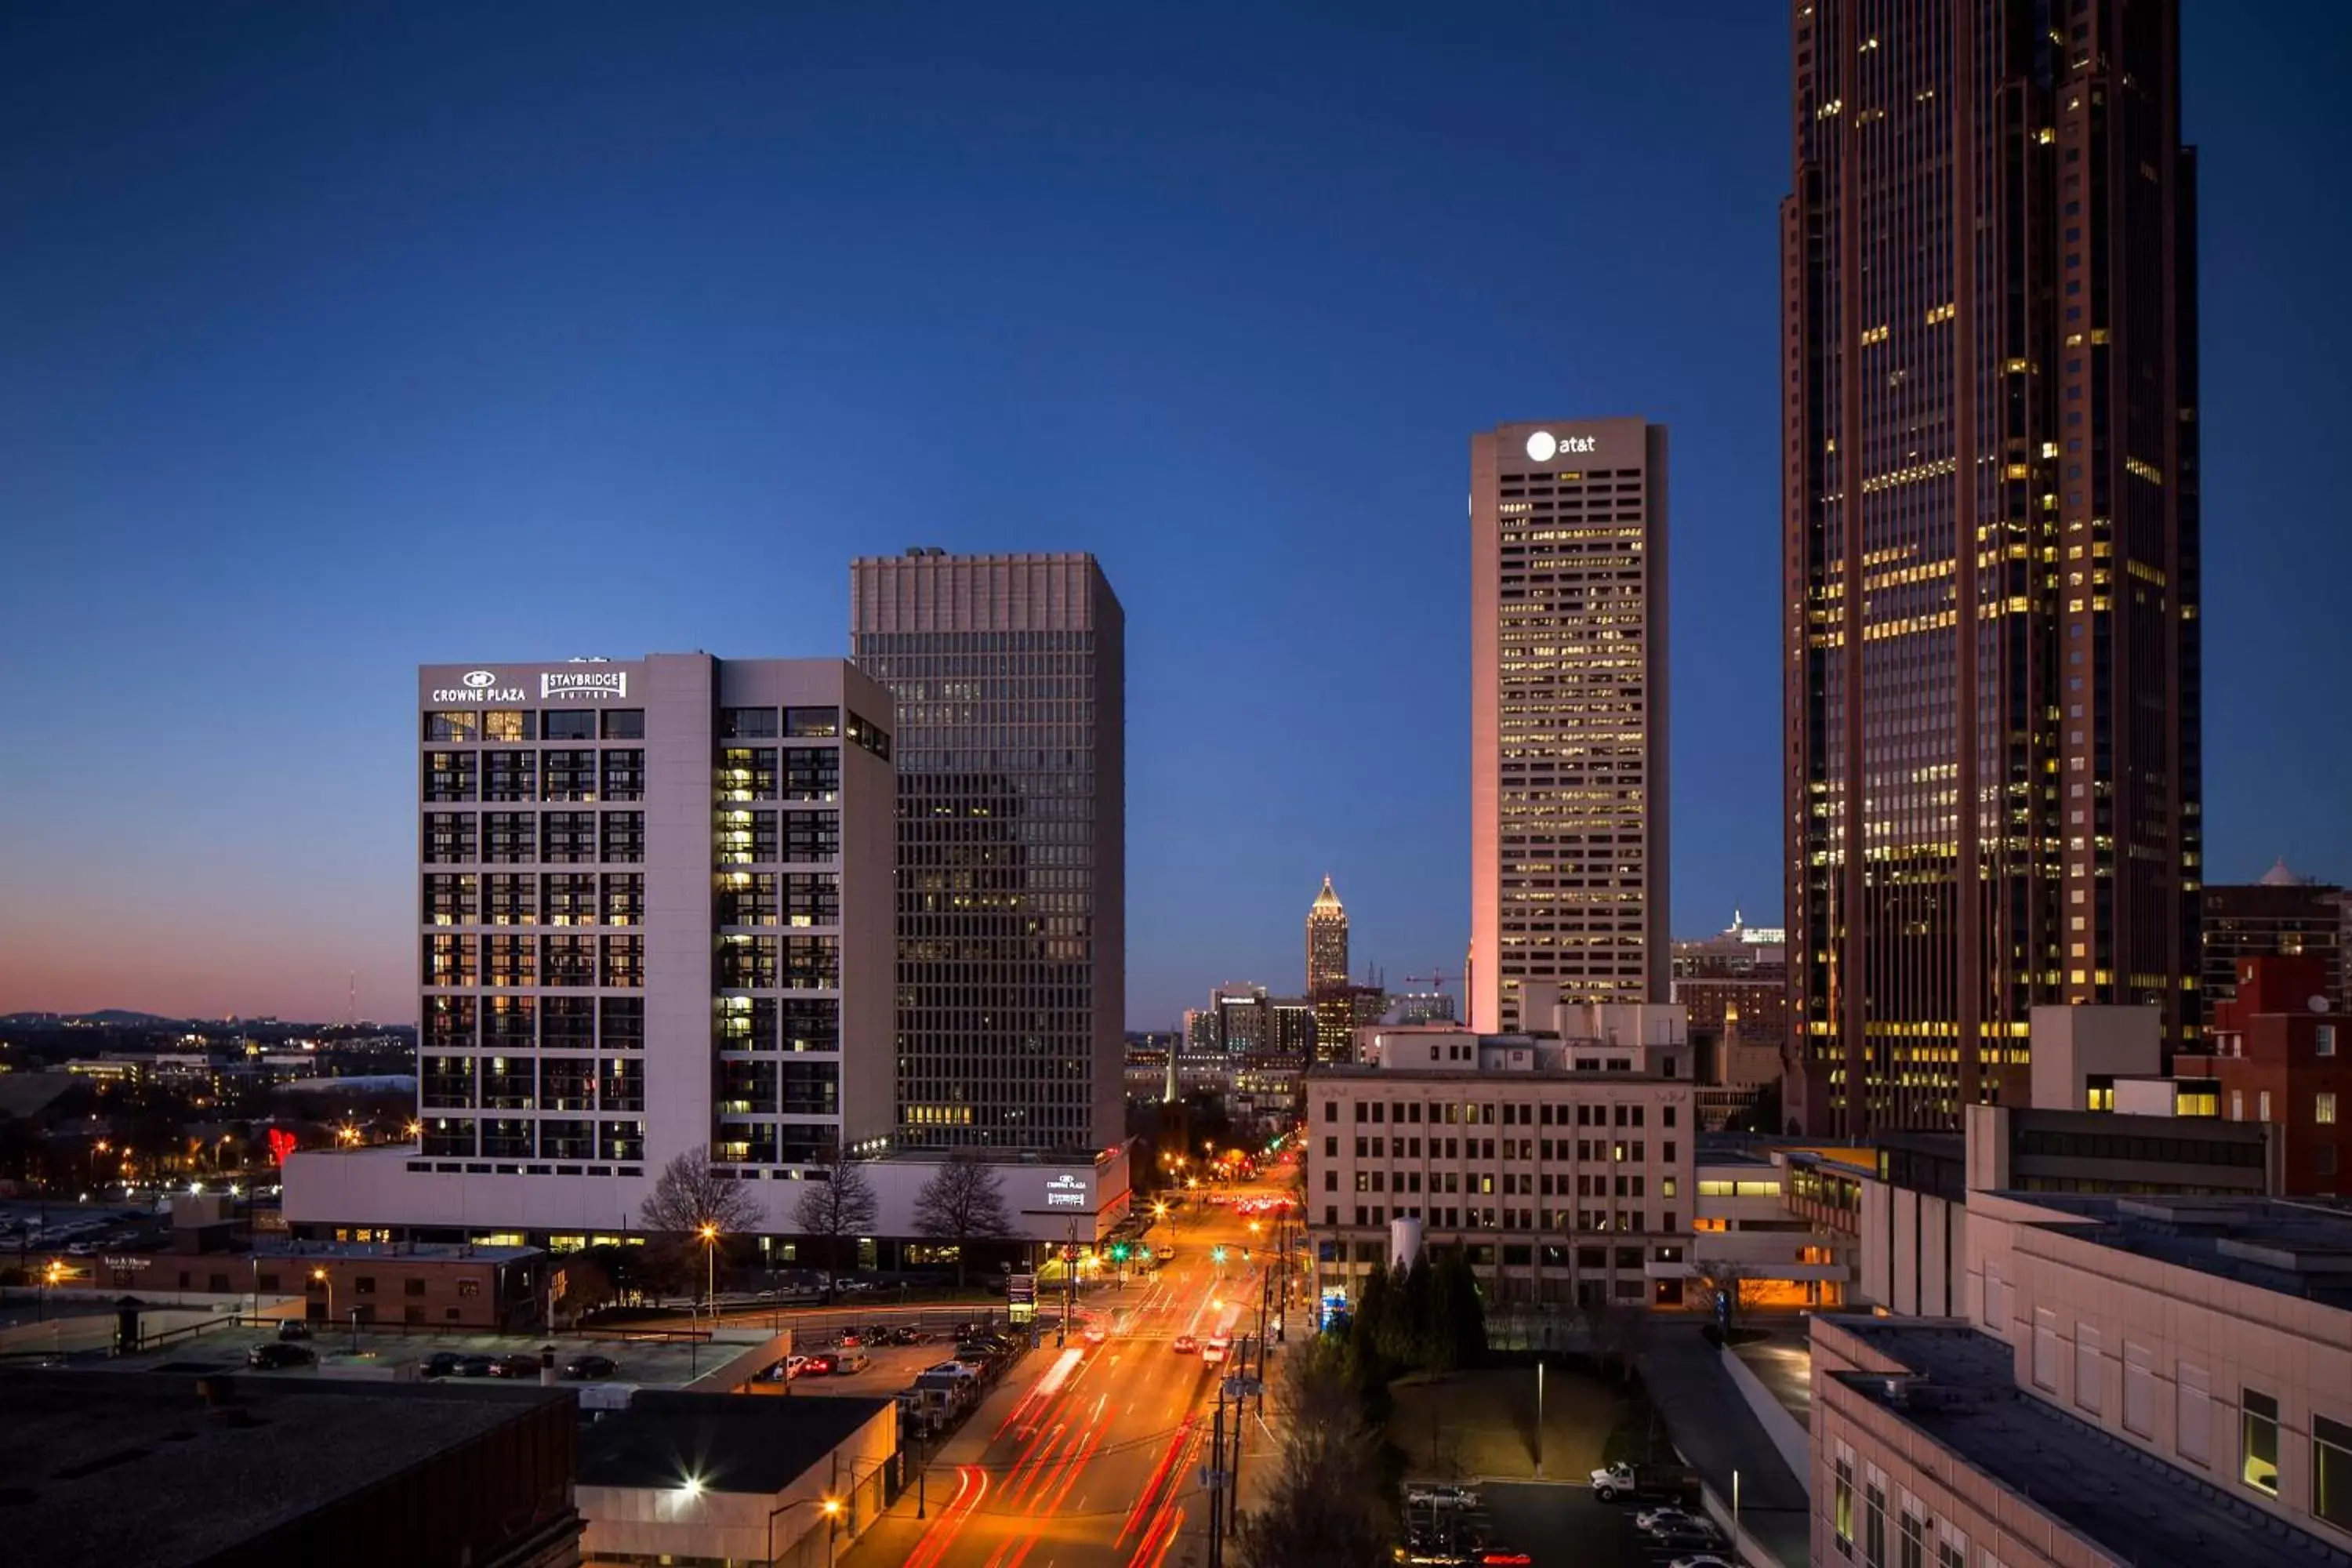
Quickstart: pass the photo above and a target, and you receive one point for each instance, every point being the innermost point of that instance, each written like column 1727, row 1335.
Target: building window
column 469, row 1287
column 747, row 723
column 2237, row 1105
column 365, row 1284
column 1843, row 1505
column 2323, row 1109
column 2331, row 1471
column 2258, row 1441
column 2263, row 1104
column 578, row 725
column 1912, row 1546
column 2323, row 1040
column 1873, row 1525
column 624, row 723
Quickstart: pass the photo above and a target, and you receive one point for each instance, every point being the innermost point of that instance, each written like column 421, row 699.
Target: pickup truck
column 1621, row 1482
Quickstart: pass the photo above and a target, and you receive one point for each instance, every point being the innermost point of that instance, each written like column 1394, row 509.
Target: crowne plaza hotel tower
column 1991, row 506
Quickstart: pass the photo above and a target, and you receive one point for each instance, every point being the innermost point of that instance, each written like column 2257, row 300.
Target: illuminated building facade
column 1991, row 506
column 1567, row 715
column 1326, row 943
column 1009, row 676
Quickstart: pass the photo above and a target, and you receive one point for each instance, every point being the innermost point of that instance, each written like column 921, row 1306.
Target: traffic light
column 1245, row 1255
column 1217, row 1253
column 1118, row 1252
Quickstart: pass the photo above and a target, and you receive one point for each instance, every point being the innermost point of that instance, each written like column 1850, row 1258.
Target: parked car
column 1185, row 1344
column 519, row 1365
column 851, row 1362
column 1432, row 1495
column 293, row 1329
column 474, row 1366
column 271, row 1357
column 588, row 1368
column 1656, row 1519
column 1700, row 1560
column 951, row 1369
column 850, row 1339
column 821, row 1364
column 791, row 1367
column 440, row 1363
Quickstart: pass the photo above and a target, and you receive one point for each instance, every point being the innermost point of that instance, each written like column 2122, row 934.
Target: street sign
column 1241, row 1387
column 1212, row 1479
column 1020, row 1297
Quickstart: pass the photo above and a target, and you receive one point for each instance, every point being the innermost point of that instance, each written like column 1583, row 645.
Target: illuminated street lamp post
column 320, row 1276
column 831, row 1505
column 710, row 1267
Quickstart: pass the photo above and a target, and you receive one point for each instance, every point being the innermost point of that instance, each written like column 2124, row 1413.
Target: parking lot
column 340, row 1353
column 1561, row 1524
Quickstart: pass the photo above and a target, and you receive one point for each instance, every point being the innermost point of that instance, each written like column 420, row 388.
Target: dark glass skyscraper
column 1010, row 672
column 1991, row 505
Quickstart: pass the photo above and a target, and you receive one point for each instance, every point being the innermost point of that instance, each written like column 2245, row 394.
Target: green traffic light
column 1216, row 1255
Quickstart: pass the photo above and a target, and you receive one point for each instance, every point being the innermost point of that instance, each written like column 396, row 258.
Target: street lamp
column 320, row 1275
column 710, row 1265
column 831, row 1505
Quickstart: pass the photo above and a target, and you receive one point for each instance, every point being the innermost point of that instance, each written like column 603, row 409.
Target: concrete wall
column 1914, row 1251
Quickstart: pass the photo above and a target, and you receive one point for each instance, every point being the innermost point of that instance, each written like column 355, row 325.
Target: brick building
column 2276, row 1055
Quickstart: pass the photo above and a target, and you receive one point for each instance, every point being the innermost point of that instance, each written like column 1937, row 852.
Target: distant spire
column 1326, row 899
column 2279, row 876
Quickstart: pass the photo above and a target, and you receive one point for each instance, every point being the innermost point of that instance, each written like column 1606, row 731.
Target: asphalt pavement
column 1091, row 1455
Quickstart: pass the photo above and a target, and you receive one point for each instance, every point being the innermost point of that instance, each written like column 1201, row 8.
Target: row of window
column 1588, row 1149
column 520, row 1138
column 615, row 1023
column 1564, row 1221
column 1514, row 1113
column 1510, row 1183
column 522, row 838
column 532, row 1083
column 465, row 726
column 523, row 776
column 611, row 960
column 525, row 898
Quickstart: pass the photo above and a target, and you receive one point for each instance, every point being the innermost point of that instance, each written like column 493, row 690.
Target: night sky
column 340, row 339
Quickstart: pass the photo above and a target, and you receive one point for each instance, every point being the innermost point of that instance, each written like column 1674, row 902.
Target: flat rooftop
column 2133, row 1505
column 2301, row 1250
column 110, row 1469
column 419, row 1252
column 728, row 1445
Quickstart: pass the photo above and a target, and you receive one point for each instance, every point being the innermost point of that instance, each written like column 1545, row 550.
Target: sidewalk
column 889, row 1540
column 1715, row 1430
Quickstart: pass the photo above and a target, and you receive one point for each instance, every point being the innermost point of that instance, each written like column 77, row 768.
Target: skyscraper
column 1327, row 941
column 1010, row 675
column 1990, row 508
column 1568, row 714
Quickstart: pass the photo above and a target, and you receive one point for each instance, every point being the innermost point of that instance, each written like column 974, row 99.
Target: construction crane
column 1437, row 980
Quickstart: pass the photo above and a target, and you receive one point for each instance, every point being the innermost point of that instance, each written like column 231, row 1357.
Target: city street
column 1091, row 1455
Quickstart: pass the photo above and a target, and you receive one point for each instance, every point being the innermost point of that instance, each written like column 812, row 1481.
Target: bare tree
column 694, row 1201
column 963, row 1203
column 1619, row 1331
column 1732, row 1289
column 1324, row 1504
column 840, row 1206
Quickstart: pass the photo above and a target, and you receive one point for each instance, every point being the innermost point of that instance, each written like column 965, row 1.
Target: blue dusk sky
column 341, row 338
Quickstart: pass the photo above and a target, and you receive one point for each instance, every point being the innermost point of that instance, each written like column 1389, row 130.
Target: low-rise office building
column 2130, row 1381
column 681, row 1478
column 1560, row 1162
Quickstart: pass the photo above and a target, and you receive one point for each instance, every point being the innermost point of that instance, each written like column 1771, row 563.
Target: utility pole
column 1069, row 1284
column 1217, row 1482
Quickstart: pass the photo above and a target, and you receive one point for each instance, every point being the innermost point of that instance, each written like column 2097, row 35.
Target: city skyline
column 519, row 344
